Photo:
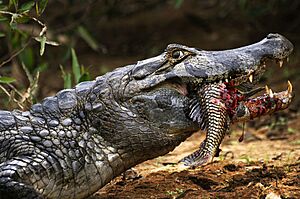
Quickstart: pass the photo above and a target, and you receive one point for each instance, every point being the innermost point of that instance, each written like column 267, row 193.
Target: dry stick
column 15, row 89
column 8, row 94
column 33, row 18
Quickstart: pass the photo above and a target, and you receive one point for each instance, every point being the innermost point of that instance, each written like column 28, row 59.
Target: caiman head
column 160, row 91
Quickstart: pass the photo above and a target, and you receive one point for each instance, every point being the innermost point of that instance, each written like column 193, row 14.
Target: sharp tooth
column 271, row 94
column 251, row 78
column 267, row 89
column 226, row 80
column 287, row 59
column 280, row 63
column 290, row 87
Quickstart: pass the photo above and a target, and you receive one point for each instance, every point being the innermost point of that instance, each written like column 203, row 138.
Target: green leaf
column 3, row 18
column 41, row 67
column 178, row 3
column 40, row 6
column 20, row 18
column 26, row 7
column 87, row 37
column 14, row 3
column 66, row 77
column 3, row 7
column 27, row 57
column 7, row 80
column 75, row 66
column 85, row 77
column 42, row 48
column 291, row 130
column 2, row 34
column 68, row 80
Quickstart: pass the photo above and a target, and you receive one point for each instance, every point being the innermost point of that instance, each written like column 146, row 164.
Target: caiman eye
column 177, row 54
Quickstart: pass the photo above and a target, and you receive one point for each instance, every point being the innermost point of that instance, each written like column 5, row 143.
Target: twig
column 9, row 95
column 15, row 54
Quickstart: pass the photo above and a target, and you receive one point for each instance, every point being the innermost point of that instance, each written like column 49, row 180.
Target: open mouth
column 219, row 86
column 244, row 105
column 237, row 94
column 215, row 105
column 236, row 90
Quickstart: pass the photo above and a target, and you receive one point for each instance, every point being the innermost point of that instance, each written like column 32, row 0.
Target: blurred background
column 46, row 46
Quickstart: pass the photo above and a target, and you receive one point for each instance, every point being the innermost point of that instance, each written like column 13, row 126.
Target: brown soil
column 265, row 165
column 259, row 167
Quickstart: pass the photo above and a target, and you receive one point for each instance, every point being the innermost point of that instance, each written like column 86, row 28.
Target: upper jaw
column 204, row 67
column 235, row 65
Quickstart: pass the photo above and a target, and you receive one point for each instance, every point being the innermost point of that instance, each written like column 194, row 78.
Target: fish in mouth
column 215, row 106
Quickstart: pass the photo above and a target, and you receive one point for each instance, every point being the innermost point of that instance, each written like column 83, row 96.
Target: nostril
column 272, row 36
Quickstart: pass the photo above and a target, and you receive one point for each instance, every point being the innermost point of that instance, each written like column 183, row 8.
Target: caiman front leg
column 10, row 186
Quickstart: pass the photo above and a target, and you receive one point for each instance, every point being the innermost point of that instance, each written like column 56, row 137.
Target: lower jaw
column 236, row 107
column 263, row 105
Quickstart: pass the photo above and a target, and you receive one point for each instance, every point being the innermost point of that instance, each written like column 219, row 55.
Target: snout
column 277, row 46
column 213, row 66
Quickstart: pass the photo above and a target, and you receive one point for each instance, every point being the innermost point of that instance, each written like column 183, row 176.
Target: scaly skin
column 72, row 144
column 227, row 105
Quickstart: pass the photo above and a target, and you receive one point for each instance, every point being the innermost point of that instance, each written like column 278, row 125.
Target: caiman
column 72, row 144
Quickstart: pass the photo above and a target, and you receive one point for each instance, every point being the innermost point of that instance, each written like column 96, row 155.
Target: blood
column 231, row 97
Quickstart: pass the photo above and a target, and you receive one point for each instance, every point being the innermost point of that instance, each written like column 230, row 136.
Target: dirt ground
column 265, row 165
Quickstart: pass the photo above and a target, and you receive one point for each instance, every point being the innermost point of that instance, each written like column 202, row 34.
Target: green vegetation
column 24, row 39
column 18, row 22
column 79, row 74
column 175, row 193
column 246, row 158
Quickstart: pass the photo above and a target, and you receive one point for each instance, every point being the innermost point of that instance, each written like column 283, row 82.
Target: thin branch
column 9, row 95
column 15, row 89
column 16, row 53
